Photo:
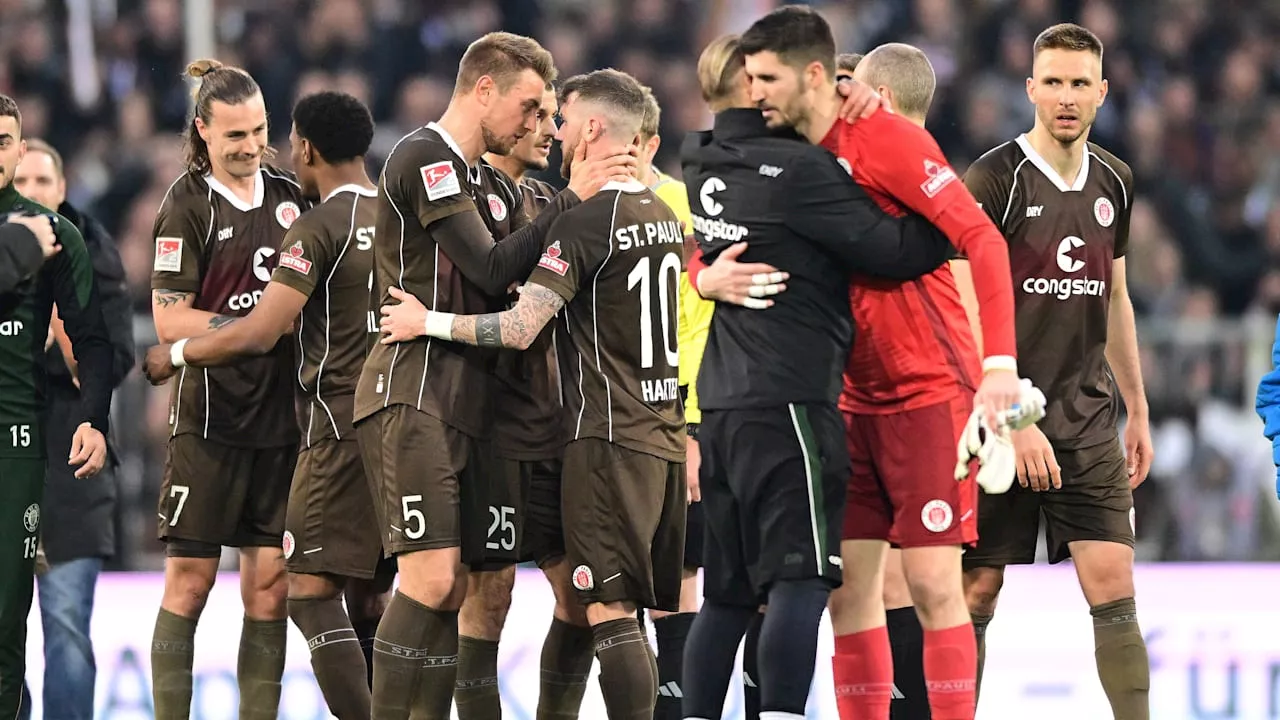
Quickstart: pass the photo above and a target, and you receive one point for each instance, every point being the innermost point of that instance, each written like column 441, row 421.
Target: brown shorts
column 331, row 527
column 1094, row 503
column 223, row 495
column 543, row 530
column 624, row 516
column 422, row 476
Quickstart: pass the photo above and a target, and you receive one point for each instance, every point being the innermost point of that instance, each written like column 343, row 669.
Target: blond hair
column 718, row 68
column 38, row 145
column 652, row 115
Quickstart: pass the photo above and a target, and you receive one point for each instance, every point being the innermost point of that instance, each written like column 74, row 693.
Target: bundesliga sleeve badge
column 168, row 255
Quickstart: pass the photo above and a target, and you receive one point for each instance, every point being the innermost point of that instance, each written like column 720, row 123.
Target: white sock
column 776, row 715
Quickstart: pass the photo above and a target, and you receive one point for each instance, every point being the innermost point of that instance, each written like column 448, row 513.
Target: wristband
column 691, row 429
column 993, row 363
column 439, row 325
column 175, row 354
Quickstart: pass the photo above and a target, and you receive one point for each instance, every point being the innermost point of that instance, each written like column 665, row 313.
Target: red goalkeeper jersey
column 913, row 346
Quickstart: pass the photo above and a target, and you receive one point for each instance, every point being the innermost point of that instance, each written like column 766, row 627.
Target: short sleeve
column 425, row 179
column 306, row 253
column 989, row 187
column 574, row 249
column 1122, row 219
column 180, row 231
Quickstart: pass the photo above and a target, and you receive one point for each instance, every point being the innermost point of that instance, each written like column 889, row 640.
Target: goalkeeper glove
column 993, row 448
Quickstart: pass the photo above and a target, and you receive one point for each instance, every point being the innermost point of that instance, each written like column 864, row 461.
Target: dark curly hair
column 336, row 124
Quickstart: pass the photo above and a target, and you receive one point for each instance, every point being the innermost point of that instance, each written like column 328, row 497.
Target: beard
column 566, row 158
column 496, row 144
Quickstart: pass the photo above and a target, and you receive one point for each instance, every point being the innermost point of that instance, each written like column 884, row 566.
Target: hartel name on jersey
column 655, row 233
column 11, row 328
column 659, row 391
column 718, row 229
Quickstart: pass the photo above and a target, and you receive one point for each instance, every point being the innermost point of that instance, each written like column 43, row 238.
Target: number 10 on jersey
column 668, row 282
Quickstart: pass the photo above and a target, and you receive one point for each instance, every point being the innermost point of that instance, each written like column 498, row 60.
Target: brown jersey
column 211, row 243
column 328, row 256
column 528, row 421
column 426, row 180
column 616, row 261
column 1063, row 239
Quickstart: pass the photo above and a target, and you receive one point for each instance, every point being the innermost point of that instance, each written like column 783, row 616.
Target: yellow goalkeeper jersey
column 695, row 313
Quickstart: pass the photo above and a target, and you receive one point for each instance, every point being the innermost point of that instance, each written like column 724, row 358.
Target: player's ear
column 1103, row 88
column 484, row 89
column 652, row 146
column 1031, row 89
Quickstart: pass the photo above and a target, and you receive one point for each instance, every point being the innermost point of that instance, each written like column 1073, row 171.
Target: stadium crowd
column 1194, row 107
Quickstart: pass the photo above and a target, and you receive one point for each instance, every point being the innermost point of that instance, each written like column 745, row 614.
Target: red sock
column 863, row 668
column 950, row 672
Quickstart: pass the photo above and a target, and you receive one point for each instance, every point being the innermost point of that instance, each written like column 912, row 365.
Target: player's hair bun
column 200, row 68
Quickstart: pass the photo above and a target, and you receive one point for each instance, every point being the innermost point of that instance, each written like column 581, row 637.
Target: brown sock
column 365, row 630
column 172, row 650
column 260, row 667
column 415, row 661
column 335, row 655
column 567, row 654
column 476, row 692
column 980, row 623
column 628, row 675
column 1121, row 653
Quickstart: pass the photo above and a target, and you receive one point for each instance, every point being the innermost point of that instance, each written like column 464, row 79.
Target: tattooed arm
column 175, row 317
column 516, row 328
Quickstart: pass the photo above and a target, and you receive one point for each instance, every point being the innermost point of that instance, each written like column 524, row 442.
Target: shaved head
column 906, row 71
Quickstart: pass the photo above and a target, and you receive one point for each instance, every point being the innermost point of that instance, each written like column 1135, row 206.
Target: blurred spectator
column 1193, row 107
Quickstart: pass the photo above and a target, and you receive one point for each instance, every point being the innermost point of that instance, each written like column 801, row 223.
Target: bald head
column 907, row 75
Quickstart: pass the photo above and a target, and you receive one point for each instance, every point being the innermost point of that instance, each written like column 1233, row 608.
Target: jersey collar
column 351, row 187
column 630, row 186
column 259, row 191
column 473, row 171
column 1043, row 166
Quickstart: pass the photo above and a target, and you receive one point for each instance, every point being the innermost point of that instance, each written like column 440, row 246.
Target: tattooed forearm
column 515, row 328
column 169, row 298
column 489, row 330
column 218, row 321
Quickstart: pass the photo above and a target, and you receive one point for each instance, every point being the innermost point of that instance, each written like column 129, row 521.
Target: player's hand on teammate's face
column 587, row 176
column 747, row 284
column 1037, row 465
column 158, row 367
column 692, row 466
column 860, row 101
column 88, row 451
column 403, row 321
column 43, row 230
column 1138, row 450
column 999, row 391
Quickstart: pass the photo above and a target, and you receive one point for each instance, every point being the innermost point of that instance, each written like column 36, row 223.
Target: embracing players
column 321, row 286
column 1063, row 205
column 910, row 380
column 234, row 437
column 423, row 406
column 623, row 484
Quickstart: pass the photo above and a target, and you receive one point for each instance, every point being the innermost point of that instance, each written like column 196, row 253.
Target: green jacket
column 66, row 279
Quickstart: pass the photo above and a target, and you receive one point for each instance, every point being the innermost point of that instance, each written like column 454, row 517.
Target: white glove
column 1029, row 410
column 993, row 450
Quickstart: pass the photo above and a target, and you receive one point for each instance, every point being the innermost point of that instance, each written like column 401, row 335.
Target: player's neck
column 823, row 115
column 508, row 164
column 647, row 175
column 332, row 177
column 1066, row 159
column 465, row 131
column 241, row 187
